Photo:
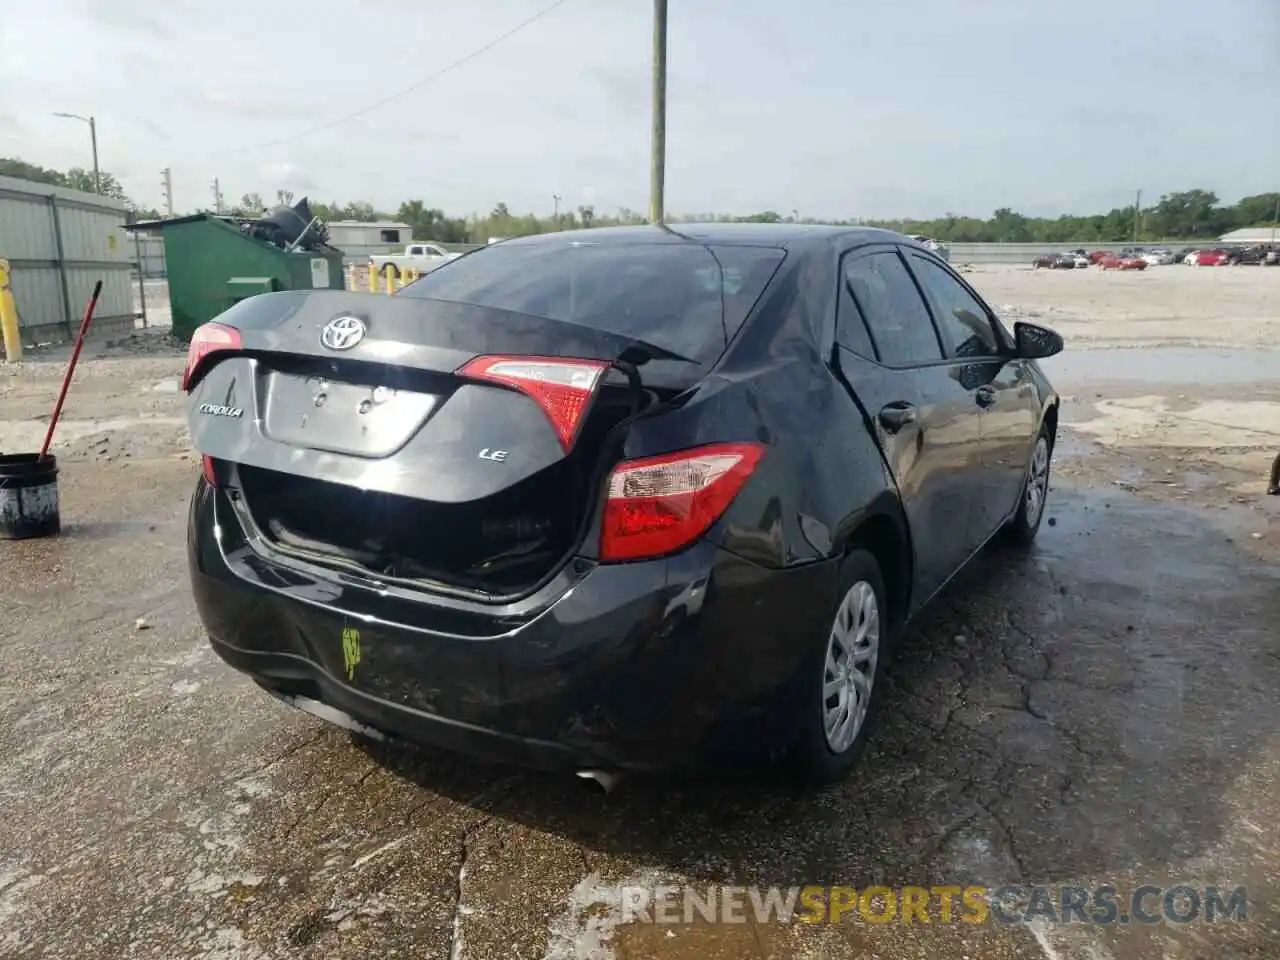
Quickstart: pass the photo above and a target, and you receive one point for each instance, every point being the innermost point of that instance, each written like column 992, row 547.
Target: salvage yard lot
column 1102, row 710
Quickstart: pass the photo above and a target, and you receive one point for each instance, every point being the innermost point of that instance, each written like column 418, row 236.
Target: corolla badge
column 220, row 410
column 342, row 333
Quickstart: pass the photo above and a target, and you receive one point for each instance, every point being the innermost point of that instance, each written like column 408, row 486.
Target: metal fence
column 148, row 254
column 59, row 243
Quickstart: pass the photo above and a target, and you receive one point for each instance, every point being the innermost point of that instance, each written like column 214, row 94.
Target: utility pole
column 1137, row 212
column 556, row 197
column 93, row 139
column 1275, row 220
column 217, row 197
column 658, row 159
column 167, row 174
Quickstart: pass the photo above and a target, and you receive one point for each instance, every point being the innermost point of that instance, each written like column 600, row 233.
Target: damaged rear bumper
column 657, row 665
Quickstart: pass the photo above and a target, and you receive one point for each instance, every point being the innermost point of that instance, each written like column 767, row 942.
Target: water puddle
column 1152, row 421
column 1166, row 365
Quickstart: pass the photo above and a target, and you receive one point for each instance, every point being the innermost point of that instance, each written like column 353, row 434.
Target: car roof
column 787, row 236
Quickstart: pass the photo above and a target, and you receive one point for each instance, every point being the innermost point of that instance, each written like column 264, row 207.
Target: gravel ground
column 1102, row 710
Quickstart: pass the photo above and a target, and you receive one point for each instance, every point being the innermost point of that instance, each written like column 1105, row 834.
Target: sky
column 826, row 108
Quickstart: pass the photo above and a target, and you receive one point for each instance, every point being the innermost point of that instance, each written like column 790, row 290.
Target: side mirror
column 1034, row 342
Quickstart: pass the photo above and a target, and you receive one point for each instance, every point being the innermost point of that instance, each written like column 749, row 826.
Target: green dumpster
column 212, row 264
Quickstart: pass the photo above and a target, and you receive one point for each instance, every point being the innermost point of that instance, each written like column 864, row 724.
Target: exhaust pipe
column 606, row 782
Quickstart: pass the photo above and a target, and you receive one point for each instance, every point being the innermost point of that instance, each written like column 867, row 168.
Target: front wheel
column 844, row 684
column 1024, row 526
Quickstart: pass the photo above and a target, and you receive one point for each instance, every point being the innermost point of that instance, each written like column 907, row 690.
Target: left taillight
column 562, row 387
column 659, row 505
column 208, row 339
column 207, row 468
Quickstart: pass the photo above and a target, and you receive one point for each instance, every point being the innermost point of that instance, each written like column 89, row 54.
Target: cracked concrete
column 1100, row 710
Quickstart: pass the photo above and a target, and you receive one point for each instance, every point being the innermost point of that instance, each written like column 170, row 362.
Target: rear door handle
column 895, row 416
column 985, row 396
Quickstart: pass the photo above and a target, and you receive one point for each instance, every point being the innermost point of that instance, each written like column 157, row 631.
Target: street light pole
column 658, row 159
column 93, row 138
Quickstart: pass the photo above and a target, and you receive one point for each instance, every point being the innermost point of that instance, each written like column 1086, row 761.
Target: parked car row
column 1138, row 258
column 1079, row 259
column 1263, row 254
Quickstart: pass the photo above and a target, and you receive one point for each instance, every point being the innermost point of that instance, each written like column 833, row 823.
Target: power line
column 407, row 90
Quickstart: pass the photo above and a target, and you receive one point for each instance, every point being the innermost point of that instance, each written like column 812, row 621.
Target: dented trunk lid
column 388, row 412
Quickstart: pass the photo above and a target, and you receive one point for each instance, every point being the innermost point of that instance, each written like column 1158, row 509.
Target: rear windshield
column 684, row 297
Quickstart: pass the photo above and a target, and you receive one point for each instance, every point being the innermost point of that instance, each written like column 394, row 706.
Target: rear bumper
column 657, row 665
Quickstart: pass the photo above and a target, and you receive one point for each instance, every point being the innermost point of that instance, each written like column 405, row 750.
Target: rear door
column 925, row 419
column 1001, row 386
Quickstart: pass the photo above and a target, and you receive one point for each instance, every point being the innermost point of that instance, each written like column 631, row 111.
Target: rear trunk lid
column 360, row 430
column 386, row 408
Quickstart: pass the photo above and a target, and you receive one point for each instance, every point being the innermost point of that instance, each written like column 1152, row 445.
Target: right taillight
column 658, row 505
column 562, row 387
column 208, row 339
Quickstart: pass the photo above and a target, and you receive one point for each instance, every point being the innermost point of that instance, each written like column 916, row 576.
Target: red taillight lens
column 209, row 338
column 658, row 505
column 562, row 387
column 207, row 468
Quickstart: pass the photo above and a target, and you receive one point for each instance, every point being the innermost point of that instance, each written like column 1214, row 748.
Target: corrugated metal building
column 1249, row 235
column 58, row 243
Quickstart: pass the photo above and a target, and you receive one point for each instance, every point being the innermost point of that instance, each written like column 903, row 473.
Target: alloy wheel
column 849, row 668
column 1037, row 481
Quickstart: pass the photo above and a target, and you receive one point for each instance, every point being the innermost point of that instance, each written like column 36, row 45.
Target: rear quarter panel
column 824, row 472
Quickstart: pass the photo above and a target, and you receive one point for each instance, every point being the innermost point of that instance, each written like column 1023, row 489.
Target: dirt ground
column 1102, row 710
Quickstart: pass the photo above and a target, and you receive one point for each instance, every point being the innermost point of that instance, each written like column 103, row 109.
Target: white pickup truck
column 422, row 257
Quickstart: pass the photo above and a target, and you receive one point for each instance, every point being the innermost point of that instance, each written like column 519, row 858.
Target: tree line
column 1191, row 215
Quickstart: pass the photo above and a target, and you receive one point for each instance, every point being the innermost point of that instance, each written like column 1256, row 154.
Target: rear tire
column 844, row 680
column 391, row 271
column 1022, row 528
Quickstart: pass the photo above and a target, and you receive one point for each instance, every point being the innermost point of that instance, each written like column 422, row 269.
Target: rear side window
column 851, row 329
column 896, row 316
column 964, row 318
column 684, row 297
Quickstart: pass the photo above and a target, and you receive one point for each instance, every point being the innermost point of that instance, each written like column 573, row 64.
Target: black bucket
column 28, row 496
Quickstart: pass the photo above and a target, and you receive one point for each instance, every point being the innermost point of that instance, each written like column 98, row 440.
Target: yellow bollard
column 371, row 276
column 391, row 282
column 9, row 316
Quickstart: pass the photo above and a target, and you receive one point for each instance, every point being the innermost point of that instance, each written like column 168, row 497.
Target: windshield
column 683, row 297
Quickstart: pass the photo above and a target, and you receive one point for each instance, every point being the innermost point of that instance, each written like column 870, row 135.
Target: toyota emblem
column 342, row 333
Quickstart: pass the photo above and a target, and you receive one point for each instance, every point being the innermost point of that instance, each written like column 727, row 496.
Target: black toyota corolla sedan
column 628, row 498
